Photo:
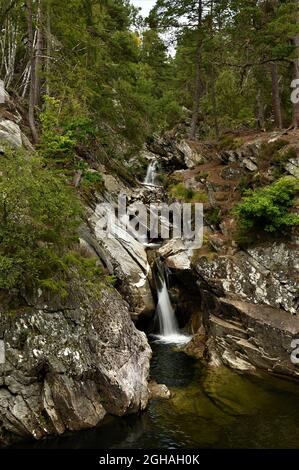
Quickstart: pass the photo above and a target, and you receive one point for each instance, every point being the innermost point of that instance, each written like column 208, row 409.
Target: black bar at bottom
column 133, row 459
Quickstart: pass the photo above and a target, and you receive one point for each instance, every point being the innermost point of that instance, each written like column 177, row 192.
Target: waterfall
column 169, row 329
column 150, row 178
column 167, row 321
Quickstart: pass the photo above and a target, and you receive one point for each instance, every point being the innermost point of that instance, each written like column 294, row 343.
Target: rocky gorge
column 69, row 364
column 247, row 298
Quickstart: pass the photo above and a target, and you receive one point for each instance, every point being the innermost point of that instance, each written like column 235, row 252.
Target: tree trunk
column 214, row 103
column 213, row 80
column 38, row 55
column 197, row 84
column 296, row 76
column 276, row 96
column 31, row 117
column 260, row 110
column 48, row 58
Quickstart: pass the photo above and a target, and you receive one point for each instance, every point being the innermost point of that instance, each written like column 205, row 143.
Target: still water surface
column 210, row 408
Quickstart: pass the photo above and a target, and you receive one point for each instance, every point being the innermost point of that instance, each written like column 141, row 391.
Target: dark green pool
column 210, row 408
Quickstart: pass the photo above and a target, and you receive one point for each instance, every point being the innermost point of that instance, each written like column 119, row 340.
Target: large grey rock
column 174, row 153
column 126, row 258
column 65, row 369
column 10, row 133
column 246, row 156
column 292, row 167
column 175, row 255
column 263, row 275
column 4, row 96
column 245, row 336
column 191, row 157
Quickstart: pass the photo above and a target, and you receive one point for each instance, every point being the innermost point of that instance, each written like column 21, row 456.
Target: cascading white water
column 150, row 178
column 169, row 329
column 167, row 320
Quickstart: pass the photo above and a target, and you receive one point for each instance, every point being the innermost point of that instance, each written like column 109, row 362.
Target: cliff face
column 68, row 365
column 68, row 362
column 247, row 298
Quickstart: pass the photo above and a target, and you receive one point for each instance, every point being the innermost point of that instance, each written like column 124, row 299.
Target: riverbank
column 209, row 408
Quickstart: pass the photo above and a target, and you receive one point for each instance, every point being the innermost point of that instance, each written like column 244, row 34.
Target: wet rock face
column 65, row 369
column 263, row 275
column 175, row 255
column 125, row 257
column 158, row 391
column 250, row 311
column 175, row 153
column 245, row 336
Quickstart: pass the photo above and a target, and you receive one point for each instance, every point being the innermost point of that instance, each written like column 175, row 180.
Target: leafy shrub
column 93, row 178
column 213, row 217
column 268, row 209
column 229, row 142
column 39, row 217
column 182, row 193
column 163, row 179
column 55, row 142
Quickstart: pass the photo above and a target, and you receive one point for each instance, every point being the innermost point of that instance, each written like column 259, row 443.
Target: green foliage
column 54, row 142
column 182, row 193
column 269, row 209
column 213, row 217
column 237, row 40
column 111, row 280
column 39, row 218
column 108, row 80
column 112, row 78
column 163, row 180
column 228, row 142
column 93, row 179
column 234, row 104
column 56, row 286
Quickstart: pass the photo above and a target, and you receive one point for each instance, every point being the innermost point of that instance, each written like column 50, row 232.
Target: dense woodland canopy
column 94, row 81
column 109, row 72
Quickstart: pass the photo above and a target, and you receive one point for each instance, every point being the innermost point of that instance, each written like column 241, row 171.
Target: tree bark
column 31, row 117
column 48, row 58
column 296, row 75
column 197, row 84
column 38, row 55
column 214, row 103
column 213, row 80
column 276, row 103
column 260, row 110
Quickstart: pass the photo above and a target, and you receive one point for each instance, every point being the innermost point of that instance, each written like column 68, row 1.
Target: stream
column 210, row 408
